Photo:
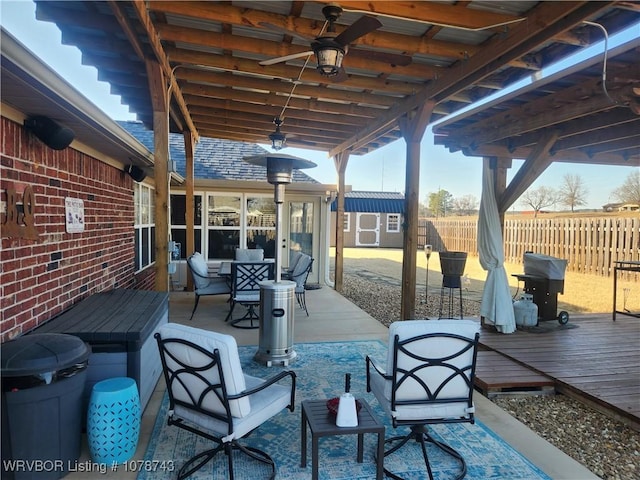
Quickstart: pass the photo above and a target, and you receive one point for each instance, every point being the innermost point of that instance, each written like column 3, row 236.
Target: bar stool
column 113, row 420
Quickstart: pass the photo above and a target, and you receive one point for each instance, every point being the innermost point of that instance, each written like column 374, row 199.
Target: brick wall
column 40, row 278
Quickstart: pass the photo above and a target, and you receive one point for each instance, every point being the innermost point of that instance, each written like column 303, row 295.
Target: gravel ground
column 608, row 448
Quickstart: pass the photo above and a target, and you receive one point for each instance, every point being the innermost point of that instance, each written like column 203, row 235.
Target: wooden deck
column 597, row 361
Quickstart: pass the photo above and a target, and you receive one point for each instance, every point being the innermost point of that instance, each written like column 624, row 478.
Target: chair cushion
column 231, row 368
column 413, row 328
column 435, row 348
column 264, row 405
column 247, row 297
column 199, row 267
column 294, row 257
column 216, row 286
column 298, row 273
column 249, row 254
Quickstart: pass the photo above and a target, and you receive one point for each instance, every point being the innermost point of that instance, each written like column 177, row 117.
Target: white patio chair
column 211, row 397
column 428, row 380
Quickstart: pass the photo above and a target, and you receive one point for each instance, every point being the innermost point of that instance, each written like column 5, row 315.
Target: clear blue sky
column 383, row 169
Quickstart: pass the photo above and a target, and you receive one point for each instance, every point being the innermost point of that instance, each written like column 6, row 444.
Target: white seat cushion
column 264, row 405
column 231, row 368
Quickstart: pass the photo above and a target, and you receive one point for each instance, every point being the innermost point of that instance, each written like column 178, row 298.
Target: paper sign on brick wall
column 74, row 213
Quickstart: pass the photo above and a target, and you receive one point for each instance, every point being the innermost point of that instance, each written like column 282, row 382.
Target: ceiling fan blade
column 284, row 31
column 388, row 58
column 357, row 29
column 286, row 58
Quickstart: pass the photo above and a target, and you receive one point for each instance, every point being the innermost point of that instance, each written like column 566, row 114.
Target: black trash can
column 43, row 379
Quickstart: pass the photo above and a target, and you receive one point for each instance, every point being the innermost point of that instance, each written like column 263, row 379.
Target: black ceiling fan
column 330, row 47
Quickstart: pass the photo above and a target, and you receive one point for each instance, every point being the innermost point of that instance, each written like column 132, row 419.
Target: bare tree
column 465, row 205
column 539, row 198
column 573, row 192
column 629, row 191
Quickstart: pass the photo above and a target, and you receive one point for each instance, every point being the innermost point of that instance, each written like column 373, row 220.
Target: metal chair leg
column 195, row 306
column 420, row 434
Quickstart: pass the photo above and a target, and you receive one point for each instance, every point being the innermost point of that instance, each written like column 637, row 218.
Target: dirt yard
column 582, row 293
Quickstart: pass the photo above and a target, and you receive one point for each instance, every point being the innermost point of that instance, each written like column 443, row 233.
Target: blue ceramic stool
column 113, row 420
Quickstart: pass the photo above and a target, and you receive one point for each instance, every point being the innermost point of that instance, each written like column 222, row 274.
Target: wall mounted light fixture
column 135, row 172
column 49, row 132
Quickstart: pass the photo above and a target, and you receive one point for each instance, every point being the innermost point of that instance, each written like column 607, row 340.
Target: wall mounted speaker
column 53, row 135
column 135, row 172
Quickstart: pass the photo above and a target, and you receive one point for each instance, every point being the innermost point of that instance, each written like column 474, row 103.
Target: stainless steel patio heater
column 277, row 297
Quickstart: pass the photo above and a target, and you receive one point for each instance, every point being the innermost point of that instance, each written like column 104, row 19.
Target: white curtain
column 497, row 305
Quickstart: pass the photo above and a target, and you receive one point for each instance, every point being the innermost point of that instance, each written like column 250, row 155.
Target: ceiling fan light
column 329, row 58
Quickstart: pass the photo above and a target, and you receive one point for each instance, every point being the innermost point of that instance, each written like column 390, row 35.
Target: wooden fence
column 590, row 245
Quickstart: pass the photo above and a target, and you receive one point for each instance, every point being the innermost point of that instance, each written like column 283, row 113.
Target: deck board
column 599, row 359
column 496, row 373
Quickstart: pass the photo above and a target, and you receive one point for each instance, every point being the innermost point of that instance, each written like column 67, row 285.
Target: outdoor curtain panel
column 497, row 305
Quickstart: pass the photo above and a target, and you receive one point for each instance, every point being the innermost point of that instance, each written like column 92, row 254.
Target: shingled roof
column 213, row 158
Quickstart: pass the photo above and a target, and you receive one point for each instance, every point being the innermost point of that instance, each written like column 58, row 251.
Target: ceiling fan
column 330, row 47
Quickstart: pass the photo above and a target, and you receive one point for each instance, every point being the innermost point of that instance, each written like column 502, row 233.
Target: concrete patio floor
column 334, row 318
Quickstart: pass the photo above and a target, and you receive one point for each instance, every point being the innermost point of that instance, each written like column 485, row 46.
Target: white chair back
column 249, row 254
column 432, row 364
column 192, row 386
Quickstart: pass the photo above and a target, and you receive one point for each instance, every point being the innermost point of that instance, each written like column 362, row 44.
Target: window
column 144, row 224
column 261, row 224
column 393, row 222
column 179, row 222
column 301, row 222
column 223, row 225
column 347, row 222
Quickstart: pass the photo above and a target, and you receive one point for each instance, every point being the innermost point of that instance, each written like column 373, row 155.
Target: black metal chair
column 299, row 275
column 205, row 284
column 211, row 397
column 245, row 290
column 428, row 380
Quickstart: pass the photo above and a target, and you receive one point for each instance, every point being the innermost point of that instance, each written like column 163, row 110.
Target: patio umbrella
column 496, row 306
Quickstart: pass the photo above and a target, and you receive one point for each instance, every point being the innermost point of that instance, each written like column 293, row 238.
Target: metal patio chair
column 428, row 380
column 210, row 396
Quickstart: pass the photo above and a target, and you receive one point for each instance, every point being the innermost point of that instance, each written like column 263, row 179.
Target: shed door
column 367, row 229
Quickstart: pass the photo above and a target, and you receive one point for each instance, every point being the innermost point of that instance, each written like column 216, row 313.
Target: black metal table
column 323, row 424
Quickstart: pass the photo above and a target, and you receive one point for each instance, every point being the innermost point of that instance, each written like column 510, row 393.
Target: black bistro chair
column 245, row 290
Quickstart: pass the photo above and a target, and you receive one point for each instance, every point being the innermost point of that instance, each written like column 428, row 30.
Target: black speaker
column 53, row 135
column 135, row 172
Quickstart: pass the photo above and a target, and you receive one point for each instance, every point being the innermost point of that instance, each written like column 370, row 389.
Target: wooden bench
column 119, row 326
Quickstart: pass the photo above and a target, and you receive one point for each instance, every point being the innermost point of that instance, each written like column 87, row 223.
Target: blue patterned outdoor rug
column 320, row 369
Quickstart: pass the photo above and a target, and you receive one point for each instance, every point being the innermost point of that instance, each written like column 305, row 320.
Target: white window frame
column 347, row 222
column 196, row 227
column 391, row 216
column 144, row 219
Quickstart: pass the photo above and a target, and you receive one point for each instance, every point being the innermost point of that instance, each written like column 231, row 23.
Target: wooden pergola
column 204, row 69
